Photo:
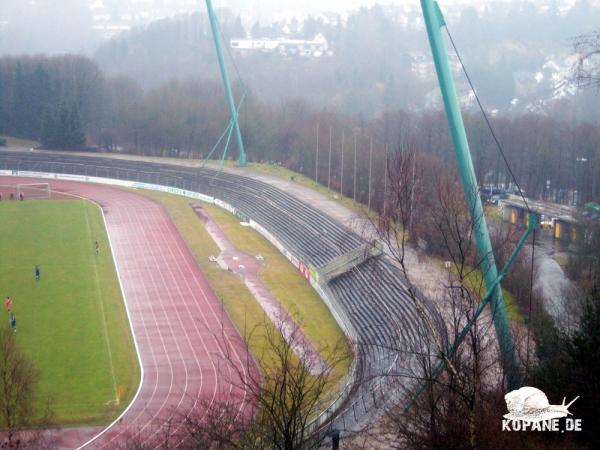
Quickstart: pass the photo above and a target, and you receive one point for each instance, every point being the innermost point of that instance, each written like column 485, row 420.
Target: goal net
column 33, row 190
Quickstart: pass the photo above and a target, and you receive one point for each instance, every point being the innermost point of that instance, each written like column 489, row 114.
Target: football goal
column 33, row 190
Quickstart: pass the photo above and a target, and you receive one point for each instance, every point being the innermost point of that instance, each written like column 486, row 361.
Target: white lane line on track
column 219, row 319
column 243, row 364
column 135, row 342
column 153, row 249
column 175, row 277
column 125, row 301
column 184, row 274
column 149, row 296
column 101, row 303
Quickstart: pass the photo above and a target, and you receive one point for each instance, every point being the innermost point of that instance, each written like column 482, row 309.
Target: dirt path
column 248, row 267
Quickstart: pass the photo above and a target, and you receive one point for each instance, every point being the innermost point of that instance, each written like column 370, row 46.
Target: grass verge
column 277, row 273
column 475, row 283
column 17, row 142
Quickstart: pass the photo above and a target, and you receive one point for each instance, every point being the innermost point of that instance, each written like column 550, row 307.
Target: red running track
column 176, row 319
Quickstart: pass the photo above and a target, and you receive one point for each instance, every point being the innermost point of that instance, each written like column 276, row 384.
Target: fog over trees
column 156, row 90
column 58, row 98
column 517, row 52
column 380, row 57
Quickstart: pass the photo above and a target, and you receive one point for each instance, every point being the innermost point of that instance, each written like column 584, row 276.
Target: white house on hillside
column 316, row 47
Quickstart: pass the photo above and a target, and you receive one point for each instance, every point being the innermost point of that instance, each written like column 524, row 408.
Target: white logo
column 528, row 407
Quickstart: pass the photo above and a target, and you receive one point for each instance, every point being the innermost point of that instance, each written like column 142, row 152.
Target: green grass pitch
column 72, row 322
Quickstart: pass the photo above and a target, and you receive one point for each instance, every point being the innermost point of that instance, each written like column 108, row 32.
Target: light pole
column 385, row 179
column 329, row 164
column 354, row 179
column 317, row 157
column 342, row 166
column 577, row 184
column 370, row 171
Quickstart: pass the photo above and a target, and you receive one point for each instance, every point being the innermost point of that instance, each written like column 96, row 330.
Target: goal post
column 33, row 190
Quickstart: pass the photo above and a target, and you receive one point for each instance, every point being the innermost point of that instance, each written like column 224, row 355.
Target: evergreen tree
column 20, row 105
column 63, row 129
column 569, row 365
column 40, row 99
column 48, row 129
column 3, row 93
column 74, row 133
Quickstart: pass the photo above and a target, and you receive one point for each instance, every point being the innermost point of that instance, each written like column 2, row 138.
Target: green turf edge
column 19, row 142
column 78, row 393
column 127, row 360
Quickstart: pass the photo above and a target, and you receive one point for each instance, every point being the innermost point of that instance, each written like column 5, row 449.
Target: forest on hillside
column 380, row 59
column 67, row 102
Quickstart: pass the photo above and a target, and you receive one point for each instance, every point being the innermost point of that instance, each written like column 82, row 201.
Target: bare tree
column 18, row 380
column 587, row 68
column 584, row 268
column 457, row 390
column 287, row 395
column 402, row 220
column 281, row 400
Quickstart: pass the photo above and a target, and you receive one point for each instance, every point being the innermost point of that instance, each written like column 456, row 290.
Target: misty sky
column 34, row 26
column 269, row 10
column 263, row 7
column 312, row 6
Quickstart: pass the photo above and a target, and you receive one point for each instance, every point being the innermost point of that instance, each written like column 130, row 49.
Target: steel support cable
column 232, row 59
column 501, row 150
column 240, row 80
column 487, row 120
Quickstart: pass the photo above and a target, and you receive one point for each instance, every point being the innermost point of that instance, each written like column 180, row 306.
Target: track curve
column 370, row 302
column 178, row 323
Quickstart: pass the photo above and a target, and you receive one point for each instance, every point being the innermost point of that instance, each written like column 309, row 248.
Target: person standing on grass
column 8, row 303
column 97, row 247
column 13, row 322
column 37, row 272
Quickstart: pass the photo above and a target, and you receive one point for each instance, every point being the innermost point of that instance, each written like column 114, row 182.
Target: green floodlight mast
column 233, row 111
column 434, row 21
